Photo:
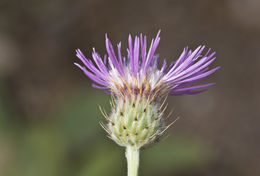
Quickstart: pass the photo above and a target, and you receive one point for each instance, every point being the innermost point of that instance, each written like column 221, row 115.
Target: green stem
column 132, row 156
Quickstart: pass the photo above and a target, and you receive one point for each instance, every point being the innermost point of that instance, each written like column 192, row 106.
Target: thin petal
column 112, row 56
column 136, row 56
column 152, row 50
column 203, row 75
column 194, row 87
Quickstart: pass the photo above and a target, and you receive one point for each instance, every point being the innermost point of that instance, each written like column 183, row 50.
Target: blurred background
column 49, row 112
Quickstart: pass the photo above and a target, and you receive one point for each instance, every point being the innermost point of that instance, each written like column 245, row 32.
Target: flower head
column 138, row 85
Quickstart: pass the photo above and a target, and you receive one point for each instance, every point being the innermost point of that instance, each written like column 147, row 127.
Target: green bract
column 135, row 122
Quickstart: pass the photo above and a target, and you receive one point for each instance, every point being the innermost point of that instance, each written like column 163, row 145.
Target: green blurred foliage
column 71, row 142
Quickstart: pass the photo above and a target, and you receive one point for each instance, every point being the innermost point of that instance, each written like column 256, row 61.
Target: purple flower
column 138, row 73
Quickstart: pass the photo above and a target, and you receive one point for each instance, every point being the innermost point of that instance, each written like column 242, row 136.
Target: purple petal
column 112, row 56
column 143, row 49
column 194, row 87
column 91, row 76
column 179, row 60
column 136, row 56
column 90, row 65
column 151, row 52
column 99, row 87
column 99, row 62
column 187, row 92
column 130, row 52
column 164, row 65
column 120, row 55
column 183, row 65
column 193, row 69
column 203, row 75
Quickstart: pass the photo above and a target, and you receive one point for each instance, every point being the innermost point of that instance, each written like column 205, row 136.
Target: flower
column 138, row 86
column 138, row 73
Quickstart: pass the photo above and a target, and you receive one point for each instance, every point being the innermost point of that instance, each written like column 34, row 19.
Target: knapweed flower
column 139, row 87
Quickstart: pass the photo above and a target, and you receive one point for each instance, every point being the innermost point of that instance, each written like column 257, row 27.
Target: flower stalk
column 132, row 156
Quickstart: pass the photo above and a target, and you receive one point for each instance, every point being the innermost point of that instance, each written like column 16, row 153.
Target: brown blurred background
column 49, row 111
